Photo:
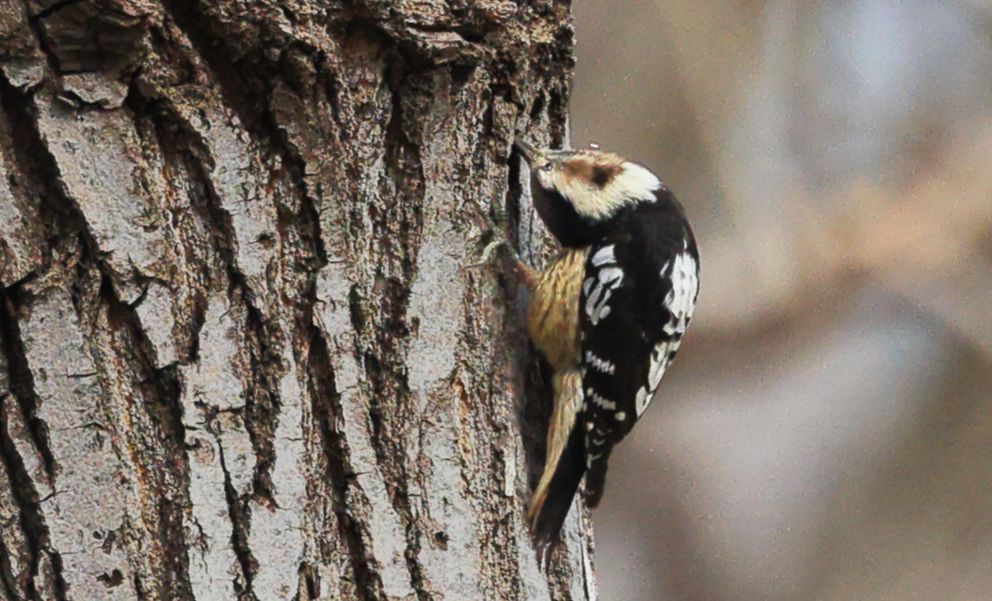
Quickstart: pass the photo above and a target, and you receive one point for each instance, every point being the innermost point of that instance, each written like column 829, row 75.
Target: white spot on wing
column 600, row 364
column 681, row 299
column 641, row 401
column 659, row 362
column 680, row 302
column 607, row 279
column 608, row 275
column 604, row 256
column 600, row 401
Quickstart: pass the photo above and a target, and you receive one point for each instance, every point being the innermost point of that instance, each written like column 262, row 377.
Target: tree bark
column 242, row 355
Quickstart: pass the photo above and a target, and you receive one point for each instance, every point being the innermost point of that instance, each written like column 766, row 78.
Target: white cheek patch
column 633, row 183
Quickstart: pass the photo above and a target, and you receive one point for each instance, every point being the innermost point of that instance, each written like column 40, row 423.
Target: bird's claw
column 493, row 234
column 489, row 251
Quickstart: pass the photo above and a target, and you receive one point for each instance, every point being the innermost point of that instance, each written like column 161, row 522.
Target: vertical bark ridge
column 240, row 522
column 159, row 476
column 30, row 529
column 33, row 169
column 340, row 473
column 21, row 388
column 313, row 398
column 35, row 163
column 27, row 457
column 154, row 438
column 185, row 146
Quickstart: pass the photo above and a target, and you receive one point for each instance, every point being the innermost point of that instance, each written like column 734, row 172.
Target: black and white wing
column 636, row 303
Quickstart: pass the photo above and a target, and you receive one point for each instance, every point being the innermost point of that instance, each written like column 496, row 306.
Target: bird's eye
column 546, row 168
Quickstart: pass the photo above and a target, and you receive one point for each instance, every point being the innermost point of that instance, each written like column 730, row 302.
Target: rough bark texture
column 241, row 355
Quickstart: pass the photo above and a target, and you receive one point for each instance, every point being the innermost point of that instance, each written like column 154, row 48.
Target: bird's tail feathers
column 596, row 481
column 554, row 493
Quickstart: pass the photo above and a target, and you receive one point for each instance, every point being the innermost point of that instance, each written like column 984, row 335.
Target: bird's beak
column 527, row 150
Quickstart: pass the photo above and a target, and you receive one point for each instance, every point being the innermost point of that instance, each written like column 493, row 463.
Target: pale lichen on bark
column 242, row 355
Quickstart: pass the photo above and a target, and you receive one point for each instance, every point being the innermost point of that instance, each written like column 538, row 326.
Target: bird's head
column 576, row 192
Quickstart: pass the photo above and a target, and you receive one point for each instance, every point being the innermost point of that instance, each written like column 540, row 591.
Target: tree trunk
column 243, row 354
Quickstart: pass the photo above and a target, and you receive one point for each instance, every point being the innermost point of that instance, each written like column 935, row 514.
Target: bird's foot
column 494, row 242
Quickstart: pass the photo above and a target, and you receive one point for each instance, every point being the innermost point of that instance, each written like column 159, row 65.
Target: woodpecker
column 608, row 313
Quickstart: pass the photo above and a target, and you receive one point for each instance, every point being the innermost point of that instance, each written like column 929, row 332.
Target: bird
column 608, row 313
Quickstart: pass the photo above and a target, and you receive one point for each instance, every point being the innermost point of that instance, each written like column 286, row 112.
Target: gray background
column 826, row 432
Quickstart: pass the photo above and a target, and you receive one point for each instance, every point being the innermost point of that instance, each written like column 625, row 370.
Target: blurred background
column 826, row 433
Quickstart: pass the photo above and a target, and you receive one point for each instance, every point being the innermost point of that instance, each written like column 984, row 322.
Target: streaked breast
column 553, row 315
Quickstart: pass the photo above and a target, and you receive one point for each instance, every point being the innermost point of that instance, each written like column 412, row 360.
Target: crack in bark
column 160, row 386
column 383, row 342
column 25, row 142
column 240, row 517
column 6, row 573
column 251, row 103
column 54, row 8
column 262, row 403
column 327, row 412
column 403, row 167
column 186, row 145
column 21, row 381
column 557, row 112
column 248, row 75
column 308, row 583
column 161, row 390
column 511, row 201
column 25, row 495
column 44, row 44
